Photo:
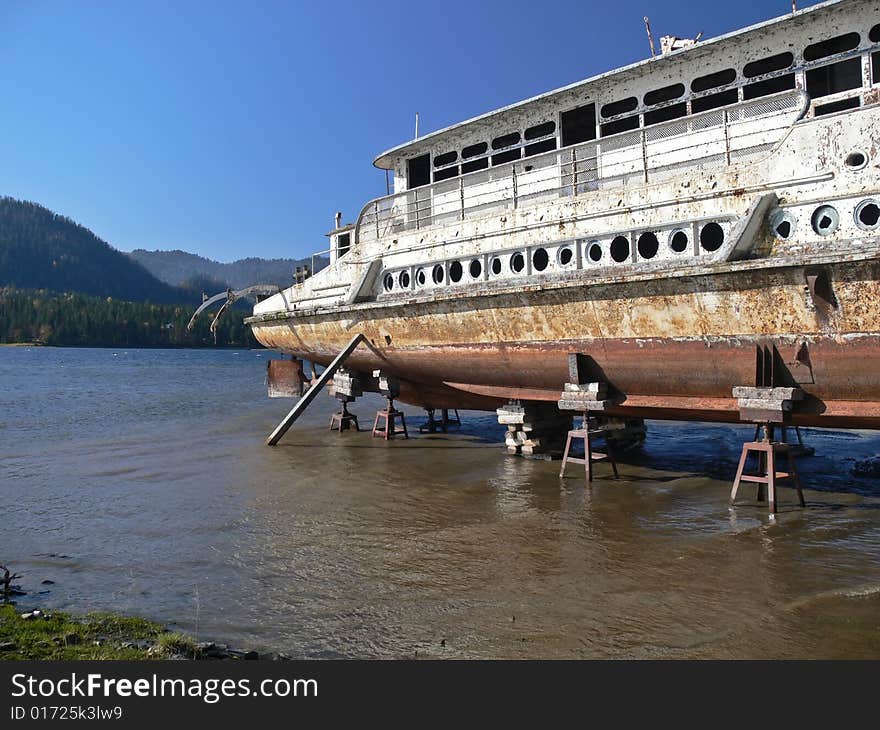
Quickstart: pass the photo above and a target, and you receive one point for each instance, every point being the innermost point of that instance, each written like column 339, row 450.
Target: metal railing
column 717, row 137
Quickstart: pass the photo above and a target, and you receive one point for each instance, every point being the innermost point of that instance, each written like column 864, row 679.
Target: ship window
column 473, row 150
column 768, row 86
column 713, row 81
column 838, row 106
column 619, row 107
column 578, row 125
column 505, row 141
column 388, row 282
column 403, row 278
column 711, row 236
column 874, row 34
column 620, row 125
column 507, row 156
column 496, row 266
column 875, row 67
column 540, row 259
column 768, row 65
column 648, row 245
column 620, row 249
column 835, row 77
column 517, row 263
column 455, row 272
column 832, row 46
column 540, row 130
column 536, row 148
column 475, row 268
column 343, row 244
column 447, row 158
column 667, row 93
column 437, row 274
column 665, row 114
column 714, row 101
column 418, row 171
column 445, row 173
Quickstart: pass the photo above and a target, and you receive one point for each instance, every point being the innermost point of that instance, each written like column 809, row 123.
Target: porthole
column 496, row 266
column 678, row 241
column 711, row 236
column 855, row 160
column 540, row 259
column 825, row 220
column 594, row 251
column 783, row 224
column 388, row 282
column 437, row 274
column 517, row 263
column 647, row 245
column 475, row 268
column 455, row 272
column 868, row 215
column 420, row 277
column 620, row 249
column 564, row 256
column 403, row 279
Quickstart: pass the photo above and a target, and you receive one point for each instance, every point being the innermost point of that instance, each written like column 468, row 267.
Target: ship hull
column 672, row 347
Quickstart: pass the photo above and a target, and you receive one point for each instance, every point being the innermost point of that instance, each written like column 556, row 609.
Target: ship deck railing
column 718, row 137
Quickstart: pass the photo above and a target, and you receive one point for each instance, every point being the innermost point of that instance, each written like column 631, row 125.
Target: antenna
column 417, row 126
column 651, row 35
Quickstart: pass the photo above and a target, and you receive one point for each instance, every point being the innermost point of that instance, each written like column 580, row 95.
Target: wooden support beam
column 306, row 400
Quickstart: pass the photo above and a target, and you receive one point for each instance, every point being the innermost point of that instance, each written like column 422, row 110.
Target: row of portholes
column 711, row 238
column 825, row 219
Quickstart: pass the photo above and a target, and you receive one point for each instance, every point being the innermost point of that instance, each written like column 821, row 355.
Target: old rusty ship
column 674, row 221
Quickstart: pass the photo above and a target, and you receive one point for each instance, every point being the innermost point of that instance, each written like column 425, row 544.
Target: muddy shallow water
column 138, row 482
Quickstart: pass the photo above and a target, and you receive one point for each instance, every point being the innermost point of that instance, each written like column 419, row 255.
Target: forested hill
column 42, row 250
column 177, row 267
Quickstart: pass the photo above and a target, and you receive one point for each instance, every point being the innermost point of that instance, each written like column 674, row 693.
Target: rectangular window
column 620, row 125
column 714, row 101
column 343, row 244
column 875, row 67
column 665, row 114
column 838, row 106
column 418, row 171
column 769, row 86
column 536, row 148
column 834, row 78
column 445, row 173
column 578, row 125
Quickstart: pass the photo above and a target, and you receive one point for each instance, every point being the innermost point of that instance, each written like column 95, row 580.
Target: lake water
column 138, row 481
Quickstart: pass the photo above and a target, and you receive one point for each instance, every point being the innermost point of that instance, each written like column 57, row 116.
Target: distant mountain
column 42, row 250
column 176, row 267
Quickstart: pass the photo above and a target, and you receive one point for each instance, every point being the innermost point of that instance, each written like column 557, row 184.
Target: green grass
column 59, row 635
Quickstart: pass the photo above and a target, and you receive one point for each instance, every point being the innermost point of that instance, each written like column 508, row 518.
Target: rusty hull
column 674, row 347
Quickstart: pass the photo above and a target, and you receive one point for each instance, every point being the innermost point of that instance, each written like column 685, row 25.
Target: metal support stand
column 343, row 420
column 767, row 451
column 432, row 425
column 389, row 428
column 586, row 434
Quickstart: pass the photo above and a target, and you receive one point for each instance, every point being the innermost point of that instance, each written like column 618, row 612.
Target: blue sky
column 235, row 129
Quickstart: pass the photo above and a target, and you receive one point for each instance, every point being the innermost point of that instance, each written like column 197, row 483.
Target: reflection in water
column 138, row 481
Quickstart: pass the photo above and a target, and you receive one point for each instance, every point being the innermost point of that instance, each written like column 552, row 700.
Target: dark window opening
column 620, row 249
column 404, row 279
column 869, row 214
column 474, row 165
column 418, row 171
column 420, row 277
column 507, row 156
column 578, row 125
column 437, row 274
column 712, row 236
column 343, row 244
column 447, row 158
column 667, row 93
column 517, row 263
column 565, row 256
column 665, row 114
column 875, row 67
column 620, row 125
column 595, row 252
column 714, row 101
column 445, row 173
column 679, row 241
column 648, row 245
column 874, row 34
column 838, row 106
column 496, row 266
column 475, row 269
column 455, row 271
column 540, row 130
column 836, row 77
column 536, row 148
column 540, row 259
column 505, row 140
column 713, row 81
column 473, row 150
column 768, row 86
column 619, row 107
column 768, row 65
column 839, row 44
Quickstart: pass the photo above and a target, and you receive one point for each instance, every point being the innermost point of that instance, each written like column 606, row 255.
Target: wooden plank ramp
column 310, row 394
